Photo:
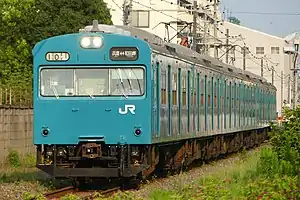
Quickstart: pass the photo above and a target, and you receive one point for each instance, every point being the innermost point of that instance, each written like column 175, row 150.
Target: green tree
column 26, row 22
column 234, row 20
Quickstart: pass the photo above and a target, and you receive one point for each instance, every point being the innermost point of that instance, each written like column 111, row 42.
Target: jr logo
column 130, row 108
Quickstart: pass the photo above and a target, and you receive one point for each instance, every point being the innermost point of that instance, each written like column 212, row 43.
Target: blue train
column 119, row 102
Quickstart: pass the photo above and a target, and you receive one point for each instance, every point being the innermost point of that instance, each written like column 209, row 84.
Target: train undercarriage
column 136, row 162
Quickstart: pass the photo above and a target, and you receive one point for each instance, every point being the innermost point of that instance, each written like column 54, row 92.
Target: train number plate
column 57, row 56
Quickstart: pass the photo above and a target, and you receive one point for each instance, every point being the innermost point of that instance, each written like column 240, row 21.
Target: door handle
column 108, row 109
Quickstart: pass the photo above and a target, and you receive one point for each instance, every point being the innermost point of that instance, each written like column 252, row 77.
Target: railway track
column 89, row 194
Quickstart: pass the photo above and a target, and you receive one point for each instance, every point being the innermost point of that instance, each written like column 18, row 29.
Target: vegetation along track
column 85, row 194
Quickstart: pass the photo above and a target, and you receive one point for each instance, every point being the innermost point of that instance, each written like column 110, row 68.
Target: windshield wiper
column 121, row 81
column 54, row 91
column 137, row 82
column 90, row 95
column 130, row 87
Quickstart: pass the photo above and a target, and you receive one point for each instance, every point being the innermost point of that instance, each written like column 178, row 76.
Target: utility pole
column 204, row 34
column 281, row 92
column 262, row 67
column 289, row 88
column 227, row 45
column 215, row 29
column 244, row 58
column 272, row 75
column 294, row 75
column 127, row 5
column 195, row 25
column 294, row 89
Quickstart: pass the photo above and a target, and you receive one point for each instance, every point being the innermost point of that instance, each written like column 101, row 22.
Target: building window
column 140, row 18
column 260, row 50
column 274, row 50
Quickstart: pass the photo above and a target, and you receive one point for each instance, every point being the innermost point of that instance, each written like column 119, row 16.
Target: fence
column 16, row 97
column 16, row 122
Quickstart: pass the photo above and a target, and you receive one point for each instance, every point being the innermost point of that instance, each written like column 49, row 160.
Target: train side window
column 174, row 88
column 179, row 93
column 234, row 102
column 163, row 86
column 195, row 89
column 179, row 85
column 221, row 89
column 183, row 89
column 202, row 89
column 230, row 104
column 246, row 102
column 198, row 101
column 190, row 89
column 208, row 94
column 215, row 95
column 188, row 92
column 225, row 103
column 249, row 103
column 169, row 85
column 239, row 103
column 233, row 96
column 228, row 96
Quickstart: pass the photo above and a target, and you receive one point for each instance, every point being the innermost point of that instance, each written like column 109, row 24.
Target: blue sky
column 279, row 25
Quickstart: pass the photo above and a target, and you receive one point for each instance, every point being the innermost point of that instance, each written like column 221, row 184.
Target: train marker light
column 45, row 132
column 91, row 42
column 138, row 132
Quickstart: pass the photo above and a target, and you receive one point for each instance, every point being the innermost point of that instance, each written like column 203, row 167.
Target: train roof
column 160, row 45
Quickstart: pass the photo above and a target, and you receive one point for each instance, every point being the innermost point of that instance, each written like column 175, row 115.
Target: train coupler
column 91, row 150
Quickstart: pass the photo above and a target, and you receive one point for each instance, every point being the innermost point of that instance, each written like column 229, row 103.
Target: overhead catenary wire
column 200, row 26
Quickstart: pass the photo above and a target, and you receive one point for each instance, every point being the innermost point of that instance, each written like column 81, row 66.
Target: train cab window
column 92, row 82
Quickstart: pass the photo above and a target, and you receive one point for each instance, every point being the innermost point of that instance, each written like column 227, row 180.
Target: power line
column 266, row 13
column 180, row 20
column 117, row 5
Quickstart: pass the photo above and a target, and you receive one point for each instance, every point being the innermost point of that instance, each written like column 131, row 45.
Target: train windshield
column 92, row 81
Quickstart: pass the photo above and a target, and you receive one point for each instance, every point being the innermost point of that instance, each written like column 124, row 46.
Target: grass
column 259, row 176
column 17, row 168
column 252, row 175
column 256, row 175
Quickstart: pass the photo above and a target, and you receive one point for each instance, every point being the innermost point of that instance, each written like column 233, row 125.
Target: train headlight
column 85, row 42
column 91, row 42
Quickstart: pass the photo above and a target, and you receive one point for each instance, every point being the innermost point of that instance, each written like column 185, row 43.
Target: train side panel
column 192, row 101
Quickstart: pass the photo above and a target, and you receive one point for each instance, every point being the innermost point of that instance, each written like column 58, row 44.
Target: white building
column 261, row 49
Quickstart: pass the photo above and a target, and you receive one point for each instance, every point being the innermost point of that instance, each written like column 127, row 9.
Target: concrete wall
column 16, row 125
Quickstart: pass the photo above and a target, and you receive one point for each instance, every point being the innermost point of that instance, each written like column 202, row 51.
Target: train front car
column 92, row 104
